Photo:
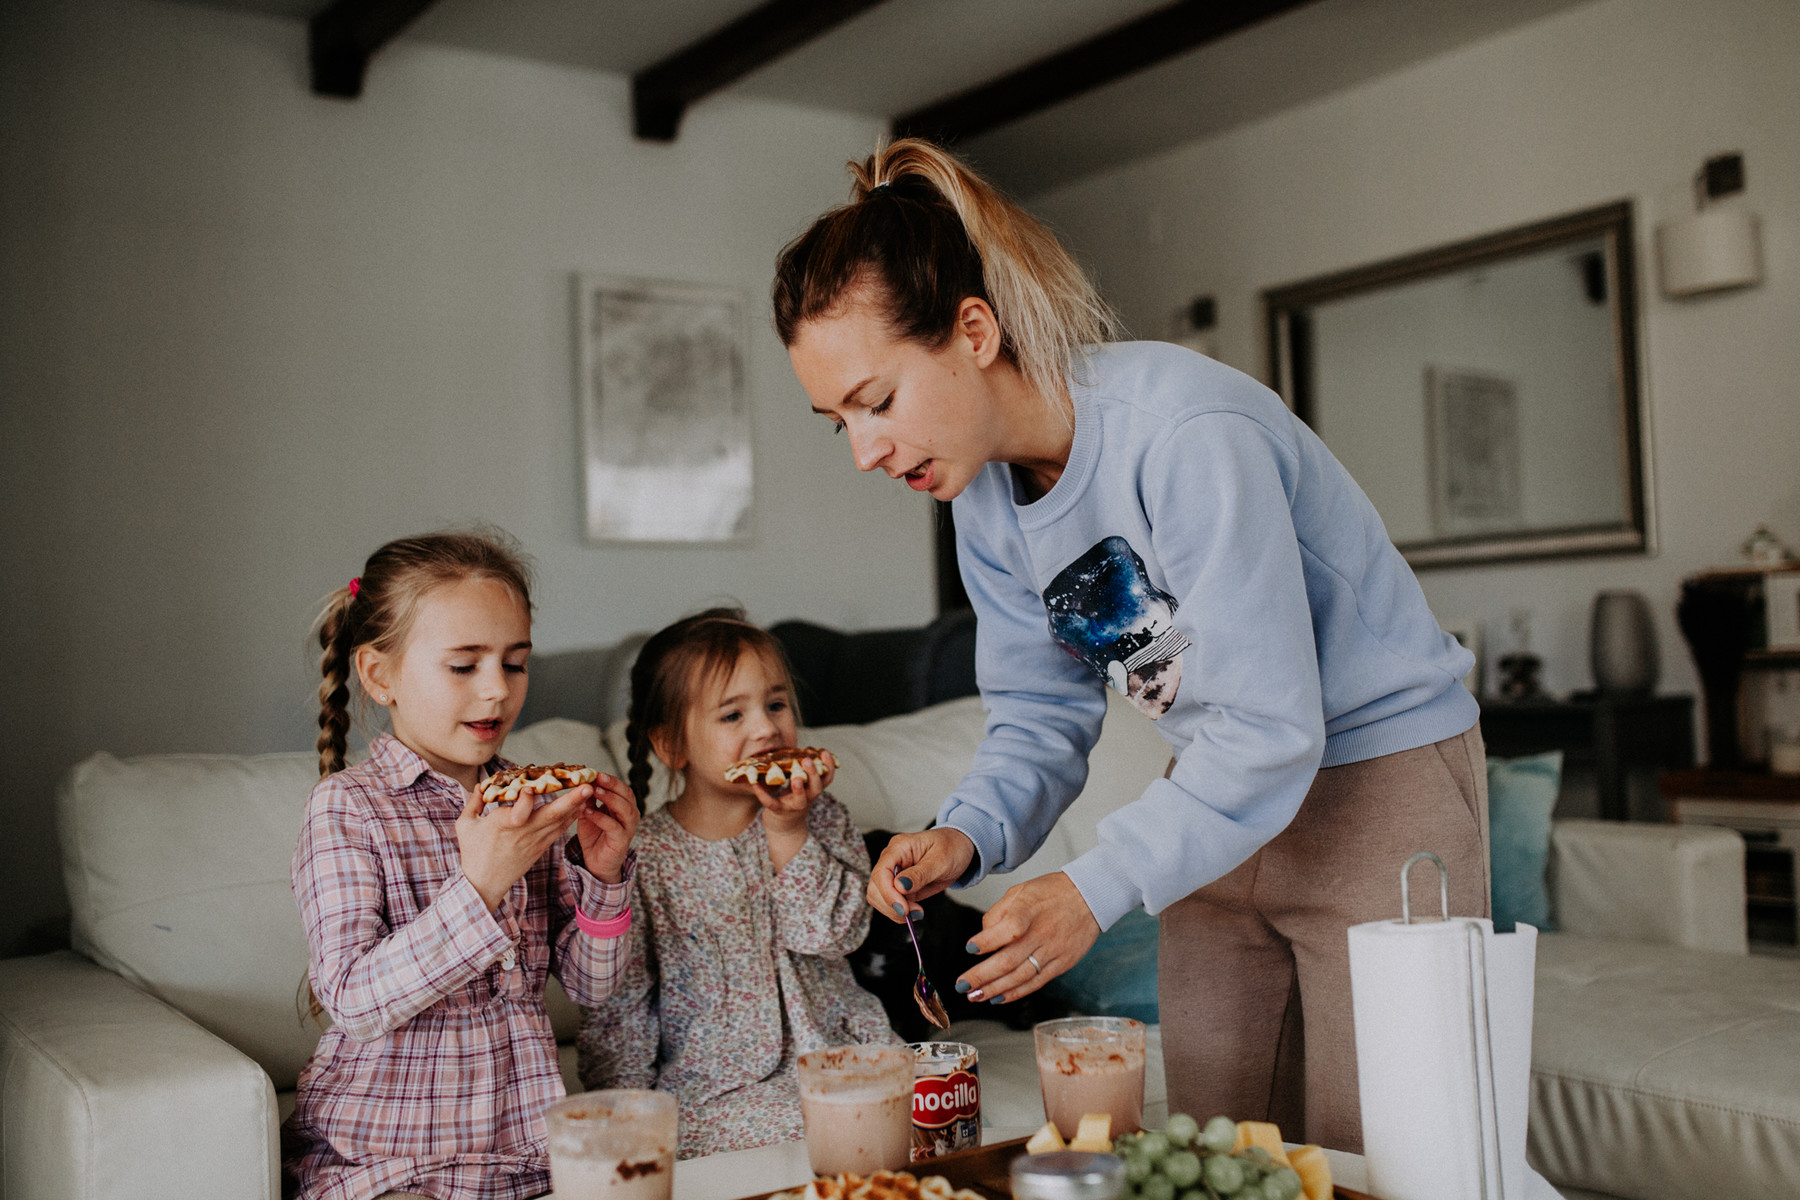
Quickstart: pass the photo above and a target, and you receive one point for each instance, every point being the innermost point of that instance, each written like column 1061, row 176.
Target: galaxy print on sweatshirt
column 1105, row 611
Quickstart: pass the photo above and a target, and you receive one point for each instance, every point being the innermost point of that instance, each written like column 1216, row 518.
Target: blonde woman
column 1139, row 516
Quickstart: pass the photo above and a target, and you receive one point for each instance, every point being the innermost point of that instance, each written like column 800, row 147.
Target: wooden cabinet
column 1610, row 734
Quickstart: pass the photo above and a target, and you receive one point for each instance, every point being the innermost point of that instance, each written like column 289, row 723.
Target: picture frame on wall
column 1474, row 438
column 665, row 413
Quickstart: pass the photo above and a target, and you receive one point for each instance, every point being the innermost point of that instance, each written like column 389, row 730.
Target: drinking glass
column 617, row 1144
column 856, row 1102
column 1092, row 1065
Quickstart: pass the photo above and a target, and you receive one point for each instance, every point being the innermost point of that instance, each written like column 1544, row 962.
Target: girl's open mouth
column 485, row 730
column 921, row 477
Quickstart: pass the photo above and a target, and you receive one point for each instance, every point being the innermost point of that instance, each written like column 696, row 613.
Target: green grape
column 1157, row 1187
column 1137, row 1167
column 1224, row 1173
column 1259, row 1154
column 1220, row 1135
column 1196, row 1194
column 1183, row 1129
column 1287, row 1180
column 1182, row 1167
column 1154, row 1145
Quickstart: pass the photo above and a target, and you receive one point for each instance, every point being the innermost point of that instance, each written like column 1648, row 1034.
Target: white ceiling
column 903, row 54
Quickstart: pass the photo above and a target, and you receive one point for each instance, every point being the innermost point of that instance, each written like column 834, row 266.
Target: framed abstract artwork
column 665, row 414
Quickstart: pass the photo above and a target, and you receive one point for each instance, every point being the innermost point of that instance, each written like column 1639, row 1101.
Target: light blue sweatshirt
column 1205, row 554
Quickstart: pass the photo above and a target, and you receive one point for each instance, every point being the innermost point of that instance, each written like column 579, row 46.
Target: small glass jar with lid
column 1068, row 1175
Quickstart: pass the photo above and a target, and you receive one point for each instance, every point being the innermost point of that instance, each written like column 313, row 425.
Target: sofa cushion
column 177, row 870
column 1521, row 797
column 1678, row 884
column 1659, row 1072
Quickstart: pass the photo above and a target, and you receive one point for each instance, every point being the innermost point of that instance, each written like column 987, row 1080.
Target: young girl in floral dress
column 745, row 903
column 431, row 927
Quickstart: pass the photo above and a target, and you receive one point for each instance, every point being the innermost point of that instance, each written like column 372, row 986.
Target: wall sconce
column 1717, row 247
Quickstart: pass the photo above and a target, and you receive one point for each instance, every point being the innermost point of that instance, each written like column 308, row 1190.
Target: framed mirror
column 1486, row 394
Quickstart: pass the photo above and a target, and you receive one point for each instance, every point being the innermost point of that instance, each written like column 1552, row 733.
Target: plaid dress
column 436, row 1073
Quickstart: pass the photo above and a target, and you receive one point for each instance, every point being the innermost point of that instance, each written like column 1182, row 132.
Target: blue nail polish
column 917, row 914
column 972, row 948
column 996, row 999
column 962, row 985
column 905, row 884
column 899, row 911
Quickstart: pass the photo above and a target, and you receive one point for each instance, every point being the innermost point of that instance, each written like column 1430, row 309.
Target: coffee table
column 752, row 1172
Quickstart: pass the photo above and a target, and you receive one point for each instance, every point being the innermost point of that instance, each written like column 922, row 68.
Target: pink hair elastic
column 616, row 927
column 355, row 586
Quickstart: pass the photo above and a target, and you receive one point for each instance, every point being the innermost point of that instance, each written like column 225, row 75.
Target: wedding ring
column 1035, row 964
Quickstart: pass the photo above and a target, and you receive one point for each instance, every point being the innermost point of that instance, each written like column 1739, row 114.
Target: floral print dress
column 733, row 971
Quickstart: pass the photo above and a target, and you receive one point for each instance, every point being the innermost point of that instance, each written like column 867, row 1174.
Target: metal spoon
column 923, row 993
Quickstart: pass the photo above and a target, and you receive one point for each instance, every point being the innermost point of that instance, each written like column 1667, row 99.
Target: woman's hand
column 605, row 829
column 1045, row 918
column 784, row 811
column 917, row 865
column 499, row 848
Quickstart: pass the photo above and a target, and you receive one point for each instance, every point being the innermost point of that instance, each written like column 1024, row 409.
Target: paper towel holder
column 1443, row 885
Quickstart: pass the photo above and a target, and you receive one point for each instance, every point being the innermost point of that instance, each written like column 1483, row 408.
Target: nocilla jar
column 1068, row 1175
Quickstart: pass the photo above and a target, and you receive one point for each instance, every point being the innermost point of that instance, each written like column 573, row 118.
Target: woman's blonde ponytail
column 931, row 233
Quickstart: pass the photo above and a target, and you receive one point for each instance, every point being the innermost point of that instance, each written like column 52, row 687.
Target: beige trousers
column 1254, row 968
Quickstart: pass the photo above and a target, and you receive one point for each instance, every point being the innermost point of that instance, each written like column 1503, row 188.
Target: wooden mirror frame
column 1289, row 371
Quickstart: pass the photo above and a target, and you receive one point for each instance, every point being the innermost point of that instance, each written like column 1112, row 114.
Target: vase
column 1624, row 644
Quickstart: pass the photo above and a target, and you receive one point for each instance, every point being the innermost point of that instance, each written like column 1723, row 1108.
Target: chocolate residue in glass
column 930, row 1004
column 631, row 1170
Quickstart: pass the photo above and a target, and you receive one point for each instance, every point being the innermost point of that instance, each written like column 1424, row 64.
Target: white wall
column 247, row 334
column 1617, row 98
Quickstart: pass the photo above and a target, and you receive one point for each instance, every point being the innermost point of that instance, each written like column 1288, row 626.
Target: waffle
column 504, row 787
column 881, row 1185
column 778, row 768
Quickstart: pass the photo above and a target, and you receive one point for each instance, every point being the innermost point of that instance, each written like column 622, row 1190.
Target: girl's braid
column 637, row 754
column 335, row 630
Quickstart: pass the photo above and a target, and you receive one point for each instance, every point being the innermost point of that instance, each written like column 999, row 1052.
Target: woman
column 1139, row 516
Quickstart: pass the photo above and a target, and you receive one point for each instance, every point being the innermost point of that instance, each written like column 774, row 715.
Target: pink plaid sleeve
column 370, row 978
column 588, row 967
column 820, row 902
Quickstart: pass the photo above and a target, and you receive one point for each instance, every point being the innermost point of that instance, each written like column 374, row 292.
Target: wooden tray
column 988, row 1170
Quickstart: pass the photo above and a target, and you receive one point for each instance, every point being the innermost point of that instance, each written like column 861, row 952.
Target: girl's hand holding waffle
column 785, row 808
column 497, row 849
column 606, row 827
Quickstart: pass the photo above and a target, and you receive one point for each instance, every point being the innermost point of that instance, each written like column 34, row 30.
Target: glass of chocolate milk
column 1092, row 1065
column 612, row 1145
column 857, row 1104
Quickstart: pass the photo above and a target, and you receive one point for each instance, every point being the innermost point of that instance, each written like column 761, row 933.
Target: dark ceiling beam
column 1151, row 39
column 661, row 93
column 341, row 40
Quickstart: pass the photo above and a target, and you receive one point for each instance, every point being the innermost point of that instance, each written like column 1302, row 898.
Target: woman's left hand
column 605, row 829
column 1045, row 918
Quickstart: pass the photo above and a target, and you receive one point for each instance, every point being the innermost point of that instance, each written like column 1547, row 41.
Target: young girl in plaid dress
column 432, row 926
column 746, row 900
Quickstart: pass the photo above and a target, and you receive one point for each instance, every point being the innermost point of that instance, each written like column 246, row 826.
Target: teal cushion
column 1117, row 977
column 1521, row 796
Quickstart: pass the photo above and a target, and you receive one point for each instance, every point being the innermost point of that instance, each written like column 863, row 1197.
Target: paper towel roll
column 1443, row 1050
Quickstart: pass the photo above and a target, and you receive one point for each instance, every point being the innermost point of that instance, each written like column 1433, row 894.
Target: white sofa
column 155, row 1060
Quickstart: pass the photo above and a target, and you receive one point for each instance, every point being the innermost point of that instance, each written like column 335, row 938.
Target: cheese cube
column 1262, row 1133
column 1095, row 1134
column 1314, row 1169
column 1045, row 1140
